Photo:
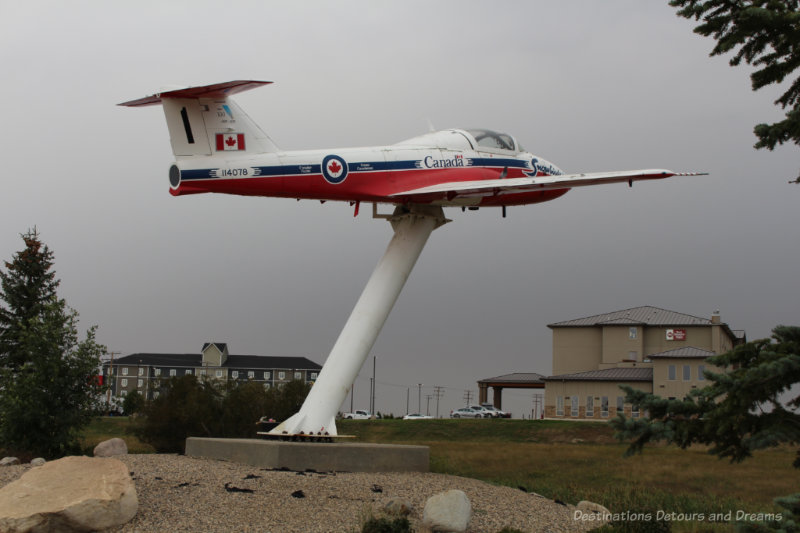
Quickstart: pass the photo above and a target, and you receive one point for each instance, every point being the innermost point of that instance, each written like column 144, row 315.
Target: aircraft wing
column 540, row 183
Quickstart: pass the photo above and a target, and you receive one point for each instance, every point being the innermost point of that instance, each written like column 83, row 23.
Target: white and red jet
column 218, row 148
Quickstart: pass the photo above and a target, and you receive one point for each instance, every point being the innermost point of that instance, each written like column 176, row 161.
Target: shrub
column 191, row 407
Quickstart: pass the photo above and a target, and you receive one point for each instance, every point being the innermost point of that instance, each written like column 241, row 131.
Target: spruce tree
column 26, row 288
column 766, row 35
column 48, row 385
column 743, row 409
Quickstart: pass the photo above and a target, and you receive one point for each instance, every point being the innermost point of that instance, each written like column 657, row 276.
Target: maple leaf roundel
column 334, row 169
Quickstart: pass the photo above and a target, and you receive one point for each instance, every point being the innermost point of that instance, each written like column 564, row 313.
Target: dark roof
column 609, row 374
column 221, row 346
column 517, row 377
column 645, row 315
column 233, row 361
column 686, row 352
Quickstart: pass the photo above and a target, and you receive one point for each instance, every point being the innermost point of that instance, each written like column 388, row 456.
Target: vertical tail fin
column 203, row 121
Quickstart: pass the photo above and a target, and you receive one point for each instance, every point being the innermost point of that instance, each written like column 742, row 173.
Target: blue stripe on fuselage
column 366, row 166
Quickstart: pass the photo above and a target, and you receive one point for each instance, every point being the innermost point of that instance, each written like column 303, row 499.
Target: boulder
column 39, row 461
column 398, row 507
column 448, row 511
column 8, row 461
column 70, row 494
column 111, row 447
column 588, row 507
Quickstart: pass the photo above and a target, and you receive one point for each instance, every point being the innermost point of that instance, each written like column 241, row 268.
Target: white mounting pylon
column 412, row 226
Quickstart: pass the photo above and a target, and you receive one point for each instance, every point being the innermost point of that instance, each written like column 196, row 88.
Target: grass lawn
column 571, row 461
column 574, row 461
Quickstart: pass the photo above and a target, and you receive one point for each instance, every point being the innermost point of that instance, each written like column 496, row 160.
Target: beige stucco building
column 646, row 348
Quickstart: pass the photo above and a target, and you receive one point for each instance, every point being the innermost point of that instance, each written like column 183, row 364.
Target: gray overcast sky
column 590, row 86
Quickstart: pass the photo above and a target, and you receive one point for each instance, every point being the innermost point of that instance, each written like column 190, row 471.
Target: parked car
column 417, row 416
column 465, row 412
column 496, row 413
column 484, row 411
column 358, row 415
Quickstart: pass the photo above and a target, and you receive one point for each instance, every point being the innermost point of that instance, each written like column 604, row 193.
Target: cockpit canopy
column 496, row 140
column 473, row 139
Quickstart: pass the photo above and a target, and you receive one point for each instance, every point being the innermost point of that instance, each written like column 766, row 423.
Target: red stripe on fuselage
column 365, row 186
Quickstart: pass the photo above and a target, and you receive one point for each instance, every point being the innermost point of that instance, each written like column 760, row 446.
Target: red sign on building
column 676, row 334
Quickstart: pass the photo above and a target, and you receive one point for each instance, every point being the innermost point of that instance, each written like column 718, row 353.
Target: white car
column 417, row 416
column 484, row 411
column 358, row 415
column 465, row 412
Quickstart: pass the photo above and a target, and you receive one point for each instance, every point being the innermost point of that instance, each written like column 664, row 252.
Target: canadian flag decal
column 230, row 141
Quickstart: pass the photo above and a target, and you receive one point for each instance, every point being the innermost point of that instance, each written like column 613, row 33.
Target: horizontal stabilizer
column 217, row 90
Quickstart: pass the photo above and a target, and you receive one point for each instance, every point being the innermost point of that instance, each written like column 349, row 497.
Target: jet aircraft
column 219, row 149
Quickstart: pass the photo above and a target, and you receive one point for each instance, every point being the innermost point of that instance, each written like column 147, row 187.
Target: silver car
column 465, row 412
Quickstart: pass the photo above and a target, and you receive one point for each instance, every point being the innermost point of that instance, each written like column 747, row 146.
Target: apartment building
column 141, row 371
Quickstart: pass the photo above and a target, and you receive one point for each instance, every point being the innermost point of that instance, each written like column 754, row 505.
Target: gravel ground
column 178, row 493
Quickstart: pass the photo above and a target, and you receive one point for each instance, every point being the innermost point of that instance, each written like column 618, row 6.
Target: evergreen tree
column 48, row 377
column 27, row 288
column 740, row 411
column 767, row 35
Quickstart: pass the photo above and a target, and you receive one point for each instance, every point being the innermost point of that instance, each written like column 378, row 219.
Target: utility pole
column 371, row 395
column 428, row 406
column 110, row 381
column 467, row 397
column 374, row 384
column 419, row 398
column 438, row 392
column 408, row 393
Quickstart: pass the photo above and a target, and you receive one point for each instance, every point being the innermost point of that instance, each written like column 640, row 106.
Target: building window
column 173, row 372
column 188, row 371
column 672, row 376
column 124, row 382
column 620, row 405
column 139, row 383
column 281, row 375
column 313, row 376
column 157, row 372
column 604, row 406
column 635, row 411
column 155, row 394
column 574, row 406
column 687, row 373
column 700, row 370
column 266, row 385
column 559, row 406
column 589, row 406
column 202, row 371
column 234, row 374
column 141, row 371
column 251, row 374
column 298, row 375
column 124, row 370
column 219, row 373
column 266, row 375
column 632, row 332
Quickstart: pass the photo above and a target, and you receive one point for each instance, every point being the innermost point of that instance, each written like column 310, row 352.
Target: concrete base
column 320, row 456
